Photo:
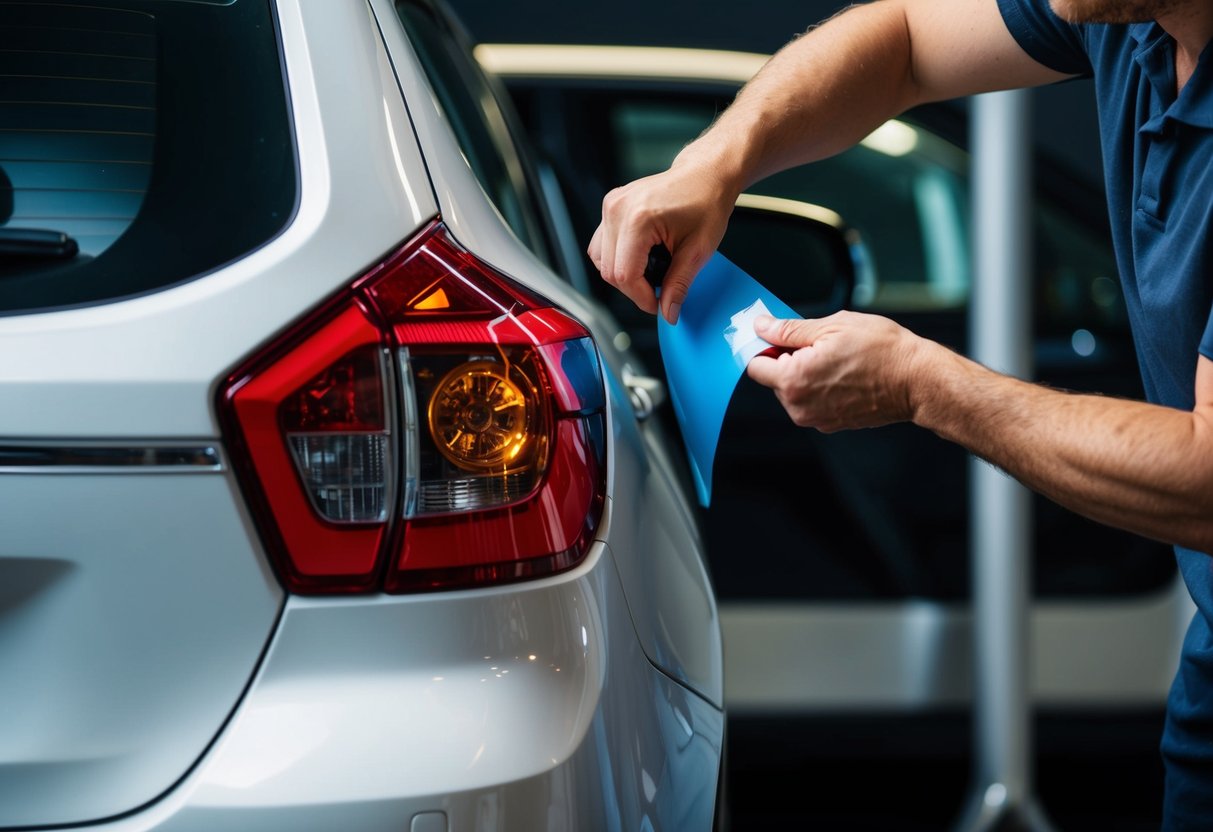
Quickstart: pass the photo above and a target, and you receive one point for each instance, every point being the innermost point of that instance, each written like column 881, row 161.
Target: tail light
column 435, row 426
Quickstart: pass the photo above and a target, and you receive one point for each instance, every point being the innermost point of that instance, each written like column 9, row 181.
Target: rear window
column 142, row 143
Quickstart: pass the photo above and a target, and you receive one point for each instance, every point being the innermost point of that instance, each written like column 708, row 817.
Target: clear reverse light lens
column 345, row 474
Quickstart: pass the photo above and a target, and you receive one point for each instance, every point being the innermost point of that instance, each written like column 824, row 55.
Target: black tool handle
column 658, row 265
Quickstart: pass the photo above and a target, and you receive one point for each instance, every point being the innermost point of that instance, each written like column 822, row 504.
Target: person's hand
column 686, row 209
column 846, row 371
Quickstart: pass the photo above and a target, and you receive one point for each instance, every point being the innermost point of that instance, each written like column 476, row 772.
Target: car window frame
column 504, row 129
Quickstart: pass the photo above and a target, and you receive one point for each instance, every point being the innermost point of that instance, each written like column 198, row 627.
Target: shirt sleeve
column 1206, row 343
column 1047, row 38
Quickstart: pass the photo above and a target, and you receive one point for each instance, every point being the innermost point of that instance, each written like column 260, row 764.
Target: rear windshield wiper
column 36, row 244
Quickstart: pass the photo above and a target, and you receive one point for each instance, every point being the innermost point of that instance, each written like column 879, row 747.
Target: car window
column 480, row 126
column 109, row 108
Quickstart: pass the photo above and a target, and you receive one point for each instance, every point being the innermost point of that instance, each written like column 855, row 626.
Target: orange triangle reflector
column 434, row 300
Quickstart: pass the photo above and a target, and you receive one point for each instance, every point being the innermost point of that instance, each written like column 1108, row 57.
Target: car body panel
column 639, row 484
column 118, row 671
column 667, row 587
column 471, row 218
column 368, row 712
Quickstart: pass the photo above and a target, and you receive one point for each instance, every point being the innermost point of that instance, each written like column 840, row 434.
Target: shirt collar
column 1142, row 32
column 1155, row 54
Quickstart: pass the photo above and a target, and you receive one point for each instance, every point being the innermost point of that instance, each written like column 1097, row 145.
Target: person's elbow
column 1202, row 530
column 1198, row 528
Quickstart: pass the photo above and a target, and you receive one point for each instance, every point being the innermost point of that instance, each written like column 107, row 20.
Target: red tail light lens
column 435, row 426
column 337, row 429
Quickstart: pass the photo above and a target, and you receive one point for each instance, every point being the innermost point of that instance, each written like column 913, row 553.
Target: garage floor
column 911, row 774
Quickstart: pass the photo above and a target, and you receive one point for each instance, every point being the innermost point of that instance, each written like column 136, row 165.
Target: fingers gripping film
column 788, row 332
column 847, row 371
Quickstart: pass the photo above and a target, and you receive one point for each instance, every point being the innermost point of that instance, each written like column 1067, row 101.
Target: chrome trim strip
column 32, row 457
column 410, row 440
column 916, row 655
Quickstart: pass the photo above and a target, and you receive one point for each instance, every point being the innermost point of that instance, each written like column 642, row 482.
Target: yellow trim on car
column 619, row 62
column 795, row 207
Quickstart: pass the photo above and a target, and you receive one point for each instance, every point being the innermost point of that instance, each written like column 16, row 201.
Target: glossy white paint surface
column 133, row 610
column 659, row 556
column 367, row 713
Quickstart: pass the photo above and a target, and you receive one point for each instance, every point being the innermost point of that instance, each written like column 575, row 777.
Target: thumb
column 786, row 332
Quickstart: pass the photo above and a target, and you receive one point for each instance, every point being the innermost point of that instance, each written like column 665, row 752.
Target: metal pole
column 1000, row 337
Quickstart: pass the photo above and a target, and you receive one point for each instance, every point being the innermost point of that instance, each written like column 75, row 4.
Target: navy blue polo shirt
column 1158, row 167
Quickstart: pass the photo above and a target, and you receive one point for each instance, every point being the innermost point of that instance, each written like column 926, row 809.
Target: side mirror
column 804, row 253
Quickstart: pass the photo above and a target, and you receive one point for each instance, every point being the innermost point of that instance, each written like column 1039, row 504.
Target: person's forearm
column 1140, row 467
column 828, row 89
column 817, row 96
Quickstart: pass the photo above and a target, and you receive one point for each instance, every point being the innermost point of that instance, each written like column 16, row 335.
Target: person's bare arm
column 819, row 95
column 1137, row 466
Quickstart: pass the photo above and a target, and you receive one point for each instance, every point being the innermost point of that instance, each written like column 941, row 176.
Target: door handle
column 647, row 393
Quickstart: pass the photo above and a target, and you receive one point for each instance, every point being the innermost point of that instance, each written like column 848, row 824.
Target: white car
column 323, row 500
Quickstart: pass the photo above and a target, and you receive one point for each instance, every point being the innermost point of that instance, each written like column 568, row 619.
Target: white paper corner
column 740, row 335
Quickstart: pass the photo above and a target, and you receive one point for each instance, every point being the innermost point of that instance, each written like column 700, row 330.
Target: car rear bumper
column 524, row 707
